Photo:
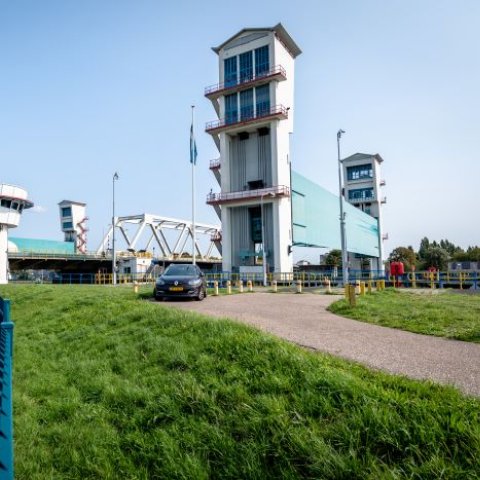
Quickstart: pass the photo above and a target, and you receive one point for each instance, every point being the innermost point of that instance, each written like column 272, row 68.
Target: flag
column 193, row 147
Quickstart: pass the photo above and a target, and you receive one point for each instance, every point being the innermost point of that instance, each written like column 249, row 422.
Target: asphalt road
column 303, row 319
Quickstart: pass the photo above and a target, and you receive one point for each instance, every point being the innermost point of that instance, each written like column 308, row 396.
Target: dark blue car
column 181, row 280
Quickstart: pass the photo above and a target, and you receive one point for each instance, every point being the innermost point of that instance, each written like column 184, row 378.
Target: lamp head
column 339, row 133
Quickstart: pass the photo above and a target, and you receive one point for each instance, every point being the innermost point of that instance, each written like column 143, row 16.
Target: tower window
column 230, row 71
column 246, row 104
column 263, row 100
column 361, row 194
column 359, row 171
column 66, row 211
column 246, row 66
column 262, row 62
column 231, row 108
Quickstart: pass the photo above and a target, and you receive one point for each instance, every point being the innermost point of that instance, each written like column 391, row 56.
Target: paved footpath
column 303, row 319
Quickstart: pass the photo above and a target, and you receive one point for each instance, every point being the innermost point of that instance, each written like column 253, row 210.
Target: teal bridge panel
column 42, row 246
column 316, row 220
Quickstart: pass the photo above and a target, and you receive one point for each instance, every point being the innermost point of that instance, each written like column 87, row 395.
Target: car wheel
column 201, row 294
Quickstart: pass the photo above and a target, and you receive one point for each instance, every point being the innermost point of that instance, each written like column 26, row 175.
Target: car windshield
column 180, row 270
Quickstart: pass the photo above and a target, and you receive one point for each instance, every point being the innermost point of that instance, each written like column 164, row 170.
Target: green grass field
column 108, row 385
column 450, row 315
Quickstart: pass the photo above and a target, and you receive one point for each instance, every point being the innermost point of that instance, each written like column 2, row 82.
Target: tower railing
column 224, row 197
column 275, row 71
column 276, row 111
column 214, row 163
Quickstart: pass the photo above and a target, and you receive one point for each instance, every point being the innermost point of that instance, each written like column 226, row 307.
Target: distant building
column 362, row 182
column 73, row 224
column 13, row 201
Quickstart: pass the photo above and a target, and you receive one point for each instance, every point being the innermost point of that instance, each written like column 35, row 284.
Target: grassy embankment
column 110, row 386
column 450, row 315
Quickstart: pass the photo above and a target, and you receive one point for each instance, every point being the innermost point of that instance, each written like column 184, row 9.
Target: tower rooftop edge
column 279, row 31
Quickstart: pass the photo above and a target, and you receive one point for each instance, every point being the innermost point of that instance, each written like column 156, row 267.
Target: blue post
column 6, row 407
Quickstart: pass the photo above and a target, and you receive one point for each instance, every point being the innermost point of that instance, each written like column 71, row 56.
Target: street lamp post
column 264, row 243
column 114, row 259
column 343, row 234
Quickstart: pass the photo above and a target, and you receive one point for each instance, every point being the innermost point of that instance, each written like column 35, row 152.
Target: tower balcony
column 361, row 200
column 248, row 195
column 255, row 120
column 214, row 164
column 276, row 72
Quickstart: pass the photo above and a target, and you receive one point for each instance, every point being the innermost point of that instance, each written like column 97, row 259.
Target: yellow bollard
column 299, row 286
column 347, row 291
column 250, row 286
column 215, row 288
column 329, row 286
column 362, row 288
column 229, row 287
column 369, row 286
column 135, row 287
column 274, row 286
column 460, row 280
column 357, row 286
column 414, row 280
column 352, row 299
column 240, row 286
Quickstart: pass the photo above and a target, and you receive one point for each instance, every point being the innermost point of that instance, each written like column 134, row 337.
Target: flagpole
column 193, row 192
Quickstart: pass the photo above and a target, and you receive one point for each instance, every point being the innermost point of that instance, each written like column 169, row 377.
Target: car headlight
column 194, row 282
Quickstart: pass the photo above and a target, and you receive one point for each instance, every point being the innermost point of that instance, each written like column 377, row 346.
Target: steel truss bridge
column 172, row 236
column 171, row 240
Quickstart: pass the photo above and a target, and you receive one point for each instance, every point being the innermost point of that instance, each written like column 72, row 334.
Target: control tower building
column 13, row 200
column 254, row 104
column 73, row 223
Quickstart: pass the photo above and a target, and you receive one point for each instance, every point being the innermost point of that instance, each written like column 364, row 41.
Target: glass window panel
column 262, row 63
column 360, row 171
column 263, row 100
column 230, row 71
column 246, row 67
column 231, row 108
column 361, row 194
column 246, row 104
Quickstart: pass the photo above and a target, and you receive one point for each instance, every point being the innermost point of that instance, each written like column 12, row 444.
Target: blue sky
column 93, row 87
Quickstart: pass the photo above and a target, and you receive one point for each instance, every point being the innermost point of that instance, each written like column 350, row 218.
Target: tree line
column 433, row 254
column 429, row 255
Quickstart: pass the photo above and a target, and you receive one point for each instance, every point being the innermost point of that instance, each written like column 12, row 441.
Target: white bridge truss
column 172, row 236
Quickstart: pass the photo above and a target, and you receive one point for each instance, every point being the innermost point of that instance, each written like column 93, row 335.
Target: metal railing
column 274, row 71
column 6, row 407
column 276, row 110
column 215, row 163
column 277, row 190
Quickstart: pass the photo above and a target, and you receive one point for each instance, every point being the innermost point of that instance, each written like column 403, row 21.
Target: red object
column 397, row 268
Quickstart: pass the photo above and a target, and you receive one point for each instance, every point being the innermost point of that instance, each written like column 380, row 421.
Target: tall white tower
column 13, row 200
column 362, row 181
column 254, row 103
column 73, row 223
